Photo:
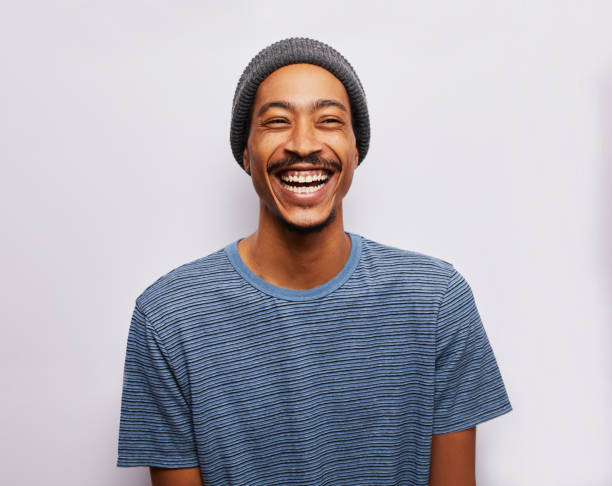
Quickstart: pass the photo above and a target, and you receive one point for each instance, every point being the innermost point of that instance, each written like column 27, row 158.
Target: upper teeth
column 304, row 178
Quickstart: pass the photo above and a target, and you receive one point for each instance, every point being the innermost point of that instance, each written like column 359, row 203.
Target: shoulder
column 173, row 290
column 402, row 262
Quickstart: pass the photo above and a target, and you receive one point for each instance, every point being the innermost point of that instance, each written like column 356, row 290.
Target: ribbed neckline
column 322, row 290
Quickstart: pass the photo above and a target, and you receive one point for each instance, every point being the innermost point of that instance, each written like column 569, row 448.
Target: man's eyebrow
column 324, row 103
column 275, row 104
column 316, row 105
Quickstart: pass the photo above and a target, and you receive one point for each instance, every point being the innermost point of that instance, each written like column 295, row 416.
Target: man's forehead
column 307, row 81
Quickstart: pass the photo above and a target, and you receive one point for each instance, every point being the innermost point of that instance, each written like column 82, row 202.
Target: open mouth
column 304, row 181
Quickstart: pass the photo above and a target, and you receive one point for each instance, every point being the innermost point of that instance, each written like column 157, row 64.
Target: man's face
column 301, row 150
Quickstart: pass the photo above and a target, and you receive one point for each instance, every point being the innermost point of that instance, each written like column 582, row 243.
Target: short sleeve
column 468, row 385
column 155, row 426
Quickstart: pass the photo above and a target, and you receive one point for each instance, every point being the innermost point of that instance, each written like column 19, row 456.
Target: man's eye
column 331, row 120
column 276, row 121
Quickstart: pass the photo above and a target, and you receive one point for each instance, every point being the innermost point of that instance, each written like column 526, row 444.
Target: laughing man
column 303, row 354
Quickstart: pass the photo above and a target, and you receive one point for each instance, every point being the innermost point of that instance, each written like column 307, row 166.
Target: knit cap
column 296, row 50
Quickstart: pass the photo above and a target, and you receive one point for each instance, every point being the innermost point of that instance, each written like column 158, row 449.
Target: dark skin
column 176, row 477
column 302, row 111
column 453, row 459
column 278, row 255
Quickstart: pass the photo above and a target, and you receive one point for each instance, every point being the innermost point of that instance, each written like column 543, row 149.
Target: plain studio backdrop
column 491, row 148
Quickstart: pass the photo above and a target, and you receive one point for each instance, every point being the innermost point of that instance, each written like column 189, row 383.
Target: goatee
column 307, row 229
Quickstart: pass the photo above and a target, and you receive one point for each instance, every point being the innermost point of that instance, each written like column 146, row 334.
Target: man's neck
column 294, row 260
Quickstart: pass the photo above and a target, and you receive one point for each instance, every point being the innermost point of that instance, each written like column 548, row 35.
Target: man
column 303, row 354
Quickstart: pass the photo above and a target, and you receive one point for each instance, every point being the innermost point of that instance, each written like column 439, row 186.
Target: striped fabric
column 343, row 384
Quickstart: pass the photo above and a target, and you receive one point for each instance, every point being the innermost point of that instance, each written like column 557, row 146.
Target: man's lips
column 304, row 181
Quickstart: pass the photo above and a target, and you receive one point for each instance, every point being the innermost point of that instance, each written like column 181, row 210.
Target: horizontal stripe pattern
column 340, row 385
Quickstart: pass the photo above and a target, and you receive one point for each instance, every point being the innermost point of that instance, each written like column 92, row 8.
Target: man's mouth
column 304, row 181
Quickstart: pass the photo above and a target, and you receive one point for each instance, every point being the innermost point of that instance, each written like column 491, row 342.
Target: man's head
column 300, row 127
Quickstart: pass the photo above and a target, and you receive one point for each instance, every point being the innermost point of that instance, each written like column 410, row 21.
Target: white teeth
column 308, row 178
column 303, row 189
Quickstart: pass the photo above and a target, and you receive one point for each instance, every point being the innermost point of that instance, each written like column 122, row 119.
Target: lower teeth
column 303, row 189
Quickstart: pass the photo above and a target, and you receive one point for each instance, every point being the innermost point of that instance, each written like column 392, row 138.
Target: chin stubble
column 304, row 230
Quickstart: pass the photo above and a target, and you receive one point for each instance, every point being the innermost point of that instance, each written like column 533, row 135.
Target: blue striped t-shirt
column 341, row 384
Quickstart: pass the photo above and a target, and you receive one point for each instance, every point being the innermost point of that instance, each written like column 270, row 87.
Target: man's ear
column 245, row 160
column 356, row 160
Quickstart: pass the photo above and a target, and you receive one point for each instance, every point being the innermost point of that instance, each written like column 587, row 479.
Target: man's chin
column 308, row 229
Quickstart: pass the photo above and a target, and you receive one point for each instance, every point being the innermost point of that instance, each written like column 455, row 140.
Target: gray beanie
column 293, row 51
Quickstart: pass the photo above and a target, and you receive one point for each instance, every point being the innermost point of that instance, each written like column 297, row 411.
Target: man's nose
column 303, row 139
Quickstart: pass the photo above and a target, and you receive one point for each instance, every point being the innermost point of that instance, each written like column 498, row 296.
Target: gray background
column 490, row 149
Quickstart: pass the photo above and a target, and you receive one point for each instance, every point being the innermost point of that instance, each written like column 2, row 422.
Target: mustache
column 312, row 159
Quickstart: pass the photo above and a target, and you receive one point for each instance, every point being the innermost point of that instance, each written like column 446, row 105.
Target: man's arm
column 453, row 459
column 176, row 477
